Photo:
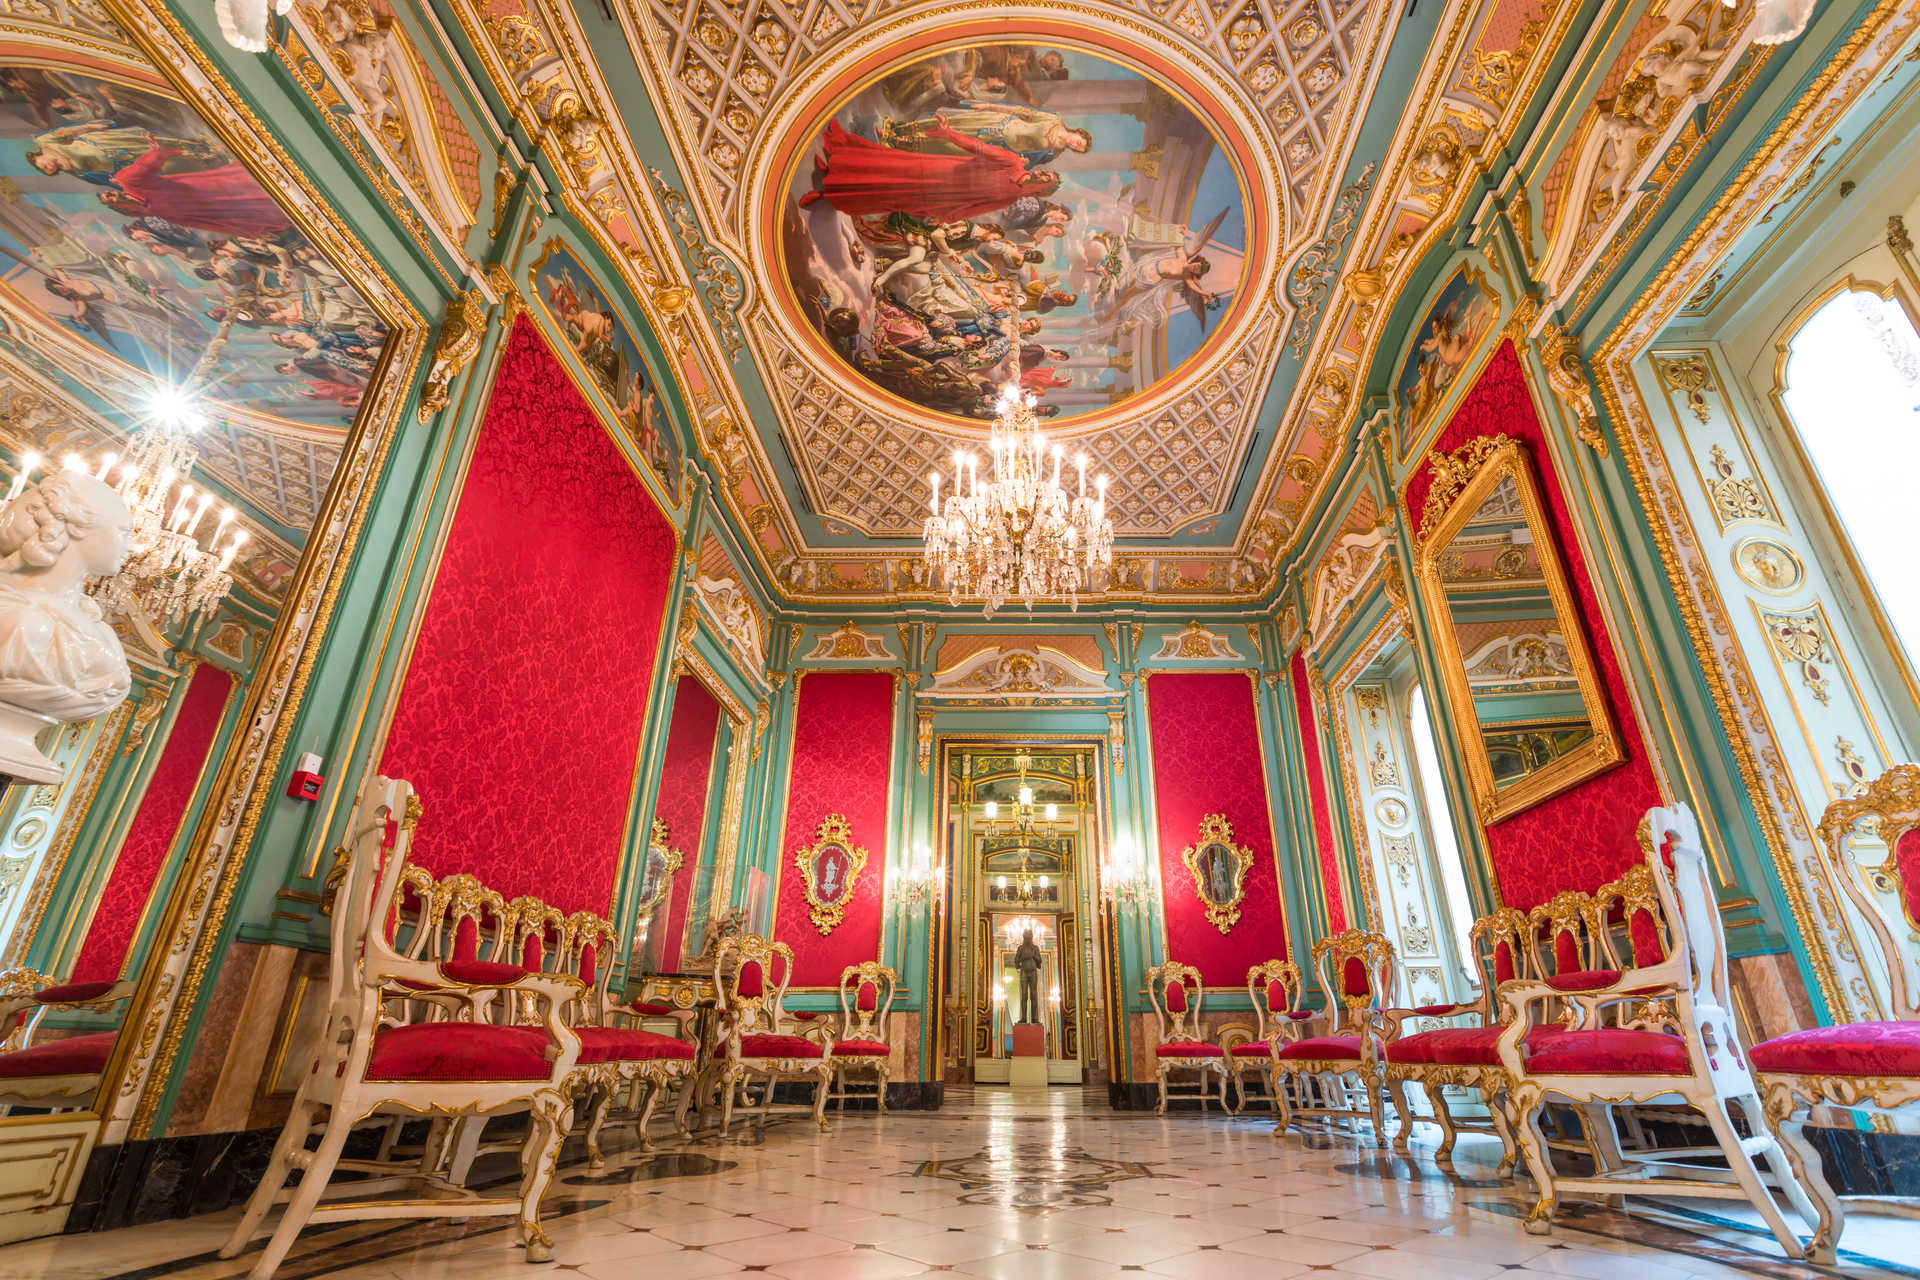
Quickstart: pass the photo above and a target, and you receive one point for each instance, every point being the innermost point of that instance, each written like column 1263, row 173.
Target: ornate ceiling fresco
column 137, row 252
column 1182, row 223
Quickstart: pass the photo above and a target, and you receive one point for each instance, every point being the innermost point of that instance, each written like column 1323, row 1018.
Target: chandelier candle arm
column 1018, row 533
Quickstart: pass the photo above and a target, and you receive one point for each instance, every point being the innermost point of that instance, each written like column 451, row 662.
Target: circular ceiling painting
column 1014, row 212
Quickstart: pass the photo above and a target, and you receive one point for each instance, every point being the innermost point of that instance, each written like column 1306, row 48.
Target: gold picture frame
column 1219, row 868
column 1492, row 475
column 829, row 882
column 657, row 871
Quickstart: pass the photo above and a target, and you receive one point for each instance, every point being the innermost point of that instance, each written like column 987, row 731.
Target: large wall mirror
column 685, row 876
column 1513, row 656
column 162, row 315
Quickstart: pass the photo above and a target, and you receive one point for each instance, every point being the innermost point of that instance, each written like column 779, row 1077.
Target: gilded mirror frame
column 1493, row 460
column 1217, row 833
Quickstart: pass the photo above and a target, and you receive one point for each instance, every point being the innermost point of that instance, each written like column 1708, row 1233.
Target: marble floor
column 1007, row 1186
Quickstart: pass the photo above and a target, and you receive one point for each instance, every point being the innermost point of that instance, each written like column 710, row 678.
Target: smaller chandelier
column 1018, row 533
column 168, row 575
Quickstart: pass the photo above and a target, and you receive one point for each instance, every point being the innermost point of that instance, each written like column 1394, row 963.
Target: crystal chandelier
column 168, row 575
column 1017, row 533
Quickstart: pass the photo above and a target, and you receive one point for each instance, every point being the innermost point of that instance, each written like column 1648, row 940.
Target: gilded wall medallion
column 829, row 869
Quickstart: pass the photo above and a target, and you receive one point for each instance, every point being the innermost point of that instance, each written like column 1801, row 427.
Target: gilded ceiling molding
column 1873, row 45
column 1348, row 564
column 1195, row 642
column 373, row 70
column 1463, row 116
column 785, row 59
column 1626, row 135
column 1018, row 676
column 848, row 643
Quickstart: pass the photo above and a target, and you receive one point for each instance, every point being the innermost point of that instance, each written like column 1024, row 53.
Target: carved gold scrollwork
column 1735, row 497
column 1802, row 641
column 1219, row 869
column 1567, row 375
column 1451, row 472
column 1689, row 376
column 454, row 350
column 829, row 870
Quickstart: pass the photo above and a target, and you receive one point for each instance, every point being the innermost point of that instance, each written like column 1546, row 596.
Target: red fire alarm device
column 306, row 781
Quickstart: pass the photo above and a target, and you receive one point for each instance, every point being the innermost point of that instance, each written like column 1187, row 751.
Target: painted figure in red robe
column 222, row 201
column 862, row 177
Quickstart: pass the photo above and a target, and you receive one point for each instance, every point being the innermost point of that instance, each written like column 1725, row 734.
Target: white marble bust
column 59, row 660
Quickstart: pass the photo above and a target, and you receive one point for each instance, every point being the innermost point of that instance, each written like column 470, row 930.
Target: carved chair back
column 589, row 947
column 1568, row 934
column 1176, row 992
column 1275, row 990
column 751, row 973
column 1355, row 970
column 1880, row 823
column 539, row 935
column 1503, row 948
column 472, row 921
column 367, row 904
column 1633, row 931
column 866, row 997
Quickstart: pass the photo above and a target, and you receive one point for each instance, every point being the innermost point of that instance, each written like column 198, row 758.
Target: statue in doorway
column 1027, row 960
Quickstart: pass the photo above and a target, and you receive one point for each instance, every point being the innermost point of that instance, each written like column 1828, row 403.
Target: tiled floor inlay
column 1034, row 1175
column 1002, row 1186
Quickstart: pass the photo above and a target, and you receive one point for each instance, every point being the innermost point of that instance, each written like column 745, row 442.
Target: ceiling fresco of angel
column 1022, row 213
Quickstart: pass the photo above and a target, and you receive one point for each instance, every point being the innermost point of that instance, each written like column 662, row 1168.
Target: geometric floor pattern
column 1003, row 1186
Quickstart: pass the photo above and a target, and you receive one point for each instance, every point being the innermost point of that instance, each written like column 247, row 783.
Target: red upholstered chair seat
column 1323, row 1047
column 72, row 992
column 459, row 1051
column 1594, row 980
column 1854, row 1049
column 1448, row 1046
column 646, row 1010
column 860, row 1049
column 1605, row 1051
column 1439, row 1010
column 1189, row 1049
column 1252, row 1049
column 1584, row 979
column 475, row 973
column 623, row 1044
column 766, row 1046
column 74, row 1056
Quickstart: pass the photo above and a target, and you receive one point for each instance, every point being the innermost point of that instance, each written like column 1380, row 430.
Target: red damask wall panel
column 520, row 717
column 682, row 804
column 1585, row 836
column 155, row 826
column 842, row 756
column 1317, row 795
column 1207, row 759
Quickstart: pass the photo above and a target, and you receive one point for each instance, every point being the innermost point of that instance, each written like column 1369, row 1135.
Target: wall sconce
column 924, row 883
column 1123, row 877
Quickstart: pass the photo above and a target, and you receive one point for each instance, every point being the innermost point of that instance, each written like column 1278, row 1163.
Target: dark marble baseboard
column 1861, row 1163
column 1130, row 1095
column 902, row 1095
column 161, row 1178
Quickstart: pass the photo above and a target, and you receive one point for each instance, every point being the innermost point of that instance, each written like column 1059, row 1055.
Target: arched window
column 1852, row 390
column 1446, row 850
